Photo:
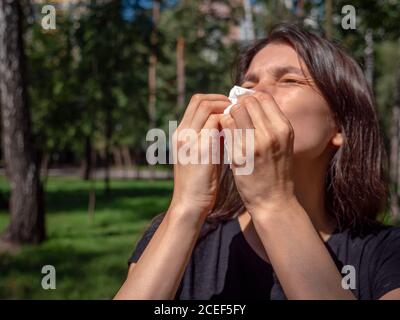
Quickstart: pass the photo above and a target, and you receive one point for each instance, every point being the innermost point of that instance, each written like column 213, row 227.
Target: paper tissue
column 233, row 95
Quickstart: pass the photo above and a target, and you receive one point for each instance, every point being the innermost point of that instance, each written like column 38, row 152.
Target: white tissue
column 233, row 95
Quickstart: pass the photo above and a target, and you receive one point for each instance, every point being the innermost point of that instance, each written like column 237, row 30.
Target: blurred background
column 78, row 97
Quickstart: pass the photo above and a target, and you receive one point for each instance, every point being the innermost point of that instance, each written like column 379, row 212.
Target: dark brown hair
column 356, row 179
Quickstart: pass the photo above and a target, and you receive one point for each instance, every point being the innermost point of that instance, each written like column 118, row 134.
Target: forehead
column 276, row 55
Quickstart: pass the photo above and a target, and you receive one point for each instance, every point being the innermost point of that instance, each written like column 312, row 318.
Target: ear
column 337, row 139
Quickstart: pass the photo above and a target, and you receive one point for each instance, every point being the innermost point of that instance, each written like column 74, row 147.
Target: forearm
column 159, row 270
column 299, row 257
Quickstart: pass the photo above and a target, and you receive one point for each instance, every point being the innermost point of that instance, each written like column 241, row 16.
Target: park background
column 78, row 100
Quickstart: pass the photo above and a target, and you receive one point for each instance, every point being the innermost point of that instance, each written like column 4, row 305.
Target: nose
column 266, row 88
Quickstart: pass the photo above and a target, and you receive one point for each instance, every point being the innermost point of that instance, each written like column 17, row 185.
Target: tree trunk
column 278, row 10
column 395, row 154
column 92, row 186
column 328, row 19
column 126, row 155
column 152, row 65
column 107, row 150
column 248, row 22
column 26, row 199
column 87, row 161
column 152, row 80
column 369, row 57
column 127, row 160
column 180, row 74
column 44, row 167
column 116, row 151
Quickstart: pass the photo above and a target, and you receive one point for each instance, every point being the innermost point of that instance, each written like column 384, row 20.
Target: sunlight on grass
column 90, row 256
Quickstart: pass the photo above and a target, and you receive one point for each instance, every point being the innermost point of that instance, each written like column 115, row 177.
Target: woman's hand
column 271, row 182
column 289, row 238
column 160, row 269
column 195, row 185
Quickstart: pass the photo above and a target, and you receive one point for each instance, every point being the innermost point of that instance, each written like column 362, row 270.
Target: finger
column 255, row 111
column 204, row 110
column 234, row 140
column 270, row 108
column 194, row 104
column 210, row 141
column 228, row 126
column 241, row 117
column 244, row 123
column 227, row 122
column 212, row 121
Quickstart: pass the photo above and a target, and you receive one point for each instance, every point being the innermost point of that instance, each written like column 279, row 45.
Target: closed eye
column 292, row 81
column 247, row 86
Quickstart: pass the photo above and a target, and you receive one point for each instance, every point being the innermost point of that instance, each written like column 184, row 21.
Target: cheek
column 311, row 120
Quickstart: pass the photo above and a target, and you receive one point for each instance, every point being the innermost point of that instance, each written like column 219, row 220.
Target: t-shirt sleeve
column 387, row 272
column 145, row 239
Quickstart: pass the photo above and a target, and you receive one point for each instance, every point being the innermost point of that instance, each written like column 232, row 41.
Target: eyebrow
column 276, row 72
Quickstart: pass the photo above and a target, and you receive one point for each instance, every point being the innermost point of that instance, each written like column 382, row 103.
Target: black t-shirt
column 223, row 265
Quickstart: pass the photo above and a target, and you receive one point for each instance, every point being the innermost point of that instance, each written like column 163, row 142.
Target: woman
column 303, row 224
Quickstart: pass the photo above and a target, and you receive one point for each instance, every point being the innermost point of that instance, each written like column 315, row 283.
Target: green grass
column 90, row 256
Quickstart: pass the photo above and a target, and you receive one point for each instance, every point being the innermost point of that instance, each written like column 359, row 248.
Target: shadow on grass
column 77, row 198
column 142, row 198
column 90, row 256
column 76, row 273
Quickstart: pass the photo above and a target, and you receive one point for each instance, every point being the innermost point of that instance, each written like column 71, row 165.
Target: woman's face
column 278, row 70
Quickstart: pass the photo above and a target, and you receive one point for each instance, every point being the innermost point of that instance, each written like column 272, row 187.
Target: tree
column 328, row 19
column 153, row 64
column 113, row 74
column 27, row 223
column 180, row 74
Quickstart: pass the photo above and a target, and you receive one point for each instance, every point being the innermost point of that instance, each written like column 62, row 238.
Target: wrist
column 184, row 215
column 276, row 209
